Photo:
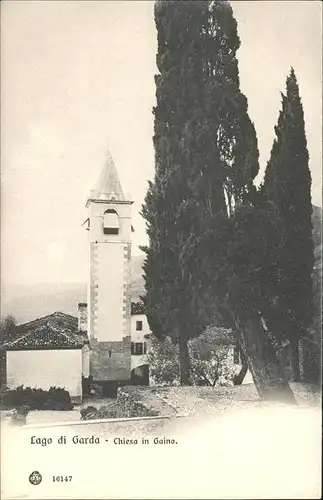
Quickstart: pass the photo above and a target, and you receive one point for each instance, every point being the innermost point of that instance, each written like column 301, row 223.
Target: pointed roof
column 108, row 186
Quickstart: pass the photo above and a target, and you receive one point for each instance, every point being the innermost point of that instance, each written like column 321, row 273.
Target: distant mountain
column 27, row 303
column 30, row 302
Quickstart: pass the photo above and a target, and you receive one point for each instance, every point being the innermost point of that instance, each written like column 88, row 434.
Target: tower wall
column 109, row 294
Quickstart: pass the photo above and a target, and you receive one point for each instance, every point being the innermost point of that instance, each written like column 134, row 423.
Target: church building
column 106, row 346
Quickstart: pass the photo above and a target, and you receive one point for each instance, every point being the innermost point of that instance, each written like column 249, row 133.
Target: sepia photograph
column 161, row 249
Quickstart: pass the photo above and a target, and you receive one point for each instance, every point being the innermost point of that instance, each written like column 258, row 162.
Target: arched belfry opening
column 111, row 223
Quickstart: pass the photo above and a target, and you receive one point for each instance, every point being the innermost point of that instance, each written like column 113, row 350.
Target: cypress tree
column 202, row 132
column 233, row 266
column 230, row 255
column 287, row 184
column 219, row 139
column 179, row 62
column 205, row 260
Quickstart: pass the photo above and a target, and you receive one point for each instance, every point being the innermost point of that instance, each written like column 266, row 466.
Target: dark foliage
column 55, row 398
column 233, row 267
column 179, row 61
column 138, row 308
column 312, row 339
column 205, row 154
column 287, row 185
column 8, row 329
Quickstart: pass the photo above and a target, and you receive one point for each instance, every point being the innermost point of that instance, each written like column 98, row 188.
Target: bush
column 58, row 399
column 55, row 398
column 211, row 360
column 163, row 359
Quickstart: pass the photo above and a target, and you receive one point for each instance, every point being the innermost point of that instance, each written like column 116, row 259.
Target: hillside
column 26, row 303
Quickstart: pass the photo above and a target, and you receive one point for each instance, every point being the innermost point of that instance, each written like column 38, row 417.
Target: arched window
column 110, row 222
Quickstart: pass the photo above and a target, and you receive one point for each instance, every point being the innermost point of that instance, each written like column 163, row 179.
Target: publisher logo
column 35, row 478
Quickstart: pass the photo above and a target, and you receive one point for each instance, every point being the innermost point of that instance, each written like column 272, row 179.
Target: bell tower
column 109, row 292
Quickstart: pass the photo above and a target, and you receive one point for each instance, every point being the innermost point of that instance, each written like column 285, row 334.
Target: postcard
column 161, row 249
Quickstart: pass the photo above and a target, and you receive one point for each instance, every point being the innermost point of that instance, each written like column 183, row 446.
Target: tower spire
column 108, row 186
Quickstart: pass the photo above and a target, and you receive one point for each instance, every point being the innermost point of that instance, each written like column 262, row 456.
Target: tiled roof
column 55, row 331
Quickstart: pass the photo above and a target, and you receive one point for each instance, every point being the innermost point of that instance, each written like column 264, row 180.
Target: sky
column 77, row 79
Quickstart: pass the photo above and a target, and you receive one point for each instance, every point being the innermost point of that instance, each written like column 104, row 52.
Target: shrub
column 163, row 358
column 211, row 360
column 58, row 399
column 55, row 398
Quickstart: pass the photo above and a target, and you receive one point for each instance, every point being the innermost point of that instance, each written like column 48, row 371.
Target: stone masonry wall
column 110, row 360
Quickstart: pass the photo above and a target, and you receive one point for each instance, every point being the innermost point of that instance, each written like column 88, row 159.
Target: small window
column 138, row 348
column 110, row 222
column 139, row 325
column 109, row 353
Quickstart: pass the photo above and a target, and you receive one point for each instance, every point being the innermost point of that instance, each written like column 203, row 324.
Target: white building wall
column 139, row 336
column 46, row 368
column 110, row 292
